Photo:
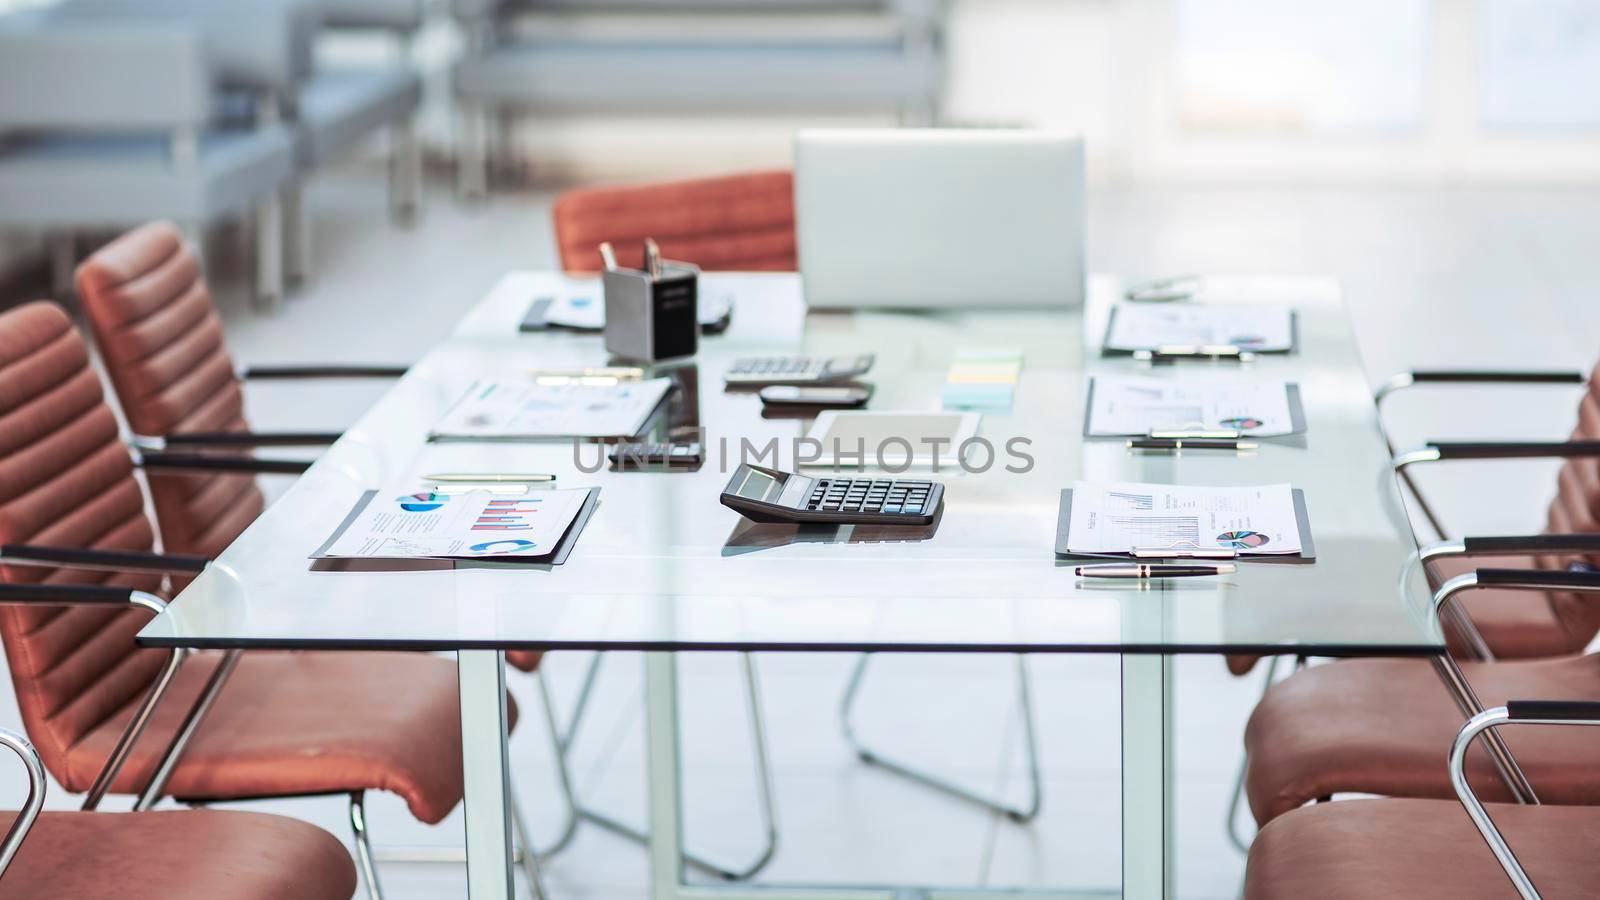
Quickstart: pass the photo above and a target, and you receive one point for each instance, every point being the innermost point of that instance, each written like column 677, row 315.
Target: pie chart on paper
column 422, row 502
column 1242, row 540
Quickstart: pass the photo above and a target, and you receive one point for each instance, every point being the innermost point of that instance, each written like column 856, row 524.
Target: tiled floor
column 1433, row 277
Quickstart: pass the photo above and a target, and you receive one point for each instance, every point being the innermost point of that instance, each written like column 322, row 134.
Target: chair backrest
column 66, row 480
column 736, row 222
column 1573, row 511
column 161, row 341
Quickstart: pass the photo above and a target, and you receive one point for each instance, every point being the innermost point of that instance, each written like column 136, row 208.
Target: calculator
column 759, row 371
column 767, row 495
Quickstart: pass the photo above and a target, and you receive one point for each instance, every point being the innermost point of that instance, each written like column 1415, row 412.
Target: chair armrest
column 99, row 560
column 1443, row 451
column 1554, row 712
column 103, row 76
column 1515, row 712
column 1494, row 545
column 255, row 373
column 199, row 462
column 241, row 439
column 1473, row 376
column 18, row 832
column 1504, row 579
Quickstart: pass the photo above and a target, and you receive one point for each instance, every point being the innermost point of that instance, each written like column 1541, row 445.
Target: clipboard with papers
column 1139, row 405
column 502, row 410
column 1127, row 520
column 397, row 526
column 1204, row 330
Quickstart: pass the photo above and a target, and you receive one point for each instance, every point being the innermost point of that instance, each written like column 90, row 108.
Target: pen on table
column 1189, row 444
column 524, row 478
column 608, row 255
column 1152, row 570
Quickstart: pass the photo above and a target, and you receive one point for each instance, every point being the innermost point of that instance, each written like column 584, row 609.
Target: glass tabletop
column 663, row 565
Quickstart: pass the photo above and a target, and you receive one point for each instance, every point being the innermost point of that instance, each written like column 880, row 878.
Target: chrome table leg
column 1148, row 869
column 486, row 771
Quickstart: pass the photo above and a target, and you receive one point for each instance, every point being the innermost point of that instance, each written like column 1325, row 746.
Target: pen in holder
column 651, row 313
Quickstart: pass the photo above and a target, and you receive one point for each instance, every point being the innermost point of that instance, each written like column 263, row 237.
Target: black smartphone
column 838, row 397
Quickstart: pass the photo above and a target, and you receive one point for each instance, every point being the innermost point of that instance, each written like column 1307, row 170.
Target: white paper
column 431, row 525
column 1117, row 517
column 1136, row 405
column 1146, row 326
column 523, row 410
column 587, row 311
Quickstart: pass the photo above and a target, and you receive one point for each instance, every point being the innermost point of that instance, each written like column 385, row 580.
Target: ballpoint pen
column 1224, row 351
column 1189, row 444
column 607, row 255
column 1152, row 570
column 508, row 478
column 652, row 259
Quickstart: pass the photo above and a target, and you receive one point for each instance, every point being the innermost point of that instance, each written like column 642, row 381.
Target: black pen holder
column 650, row 319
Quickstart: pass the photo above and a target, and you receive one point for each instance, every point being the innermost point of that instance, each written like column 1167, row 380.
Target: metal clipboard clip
column 1194, row 351
column 1174, row 550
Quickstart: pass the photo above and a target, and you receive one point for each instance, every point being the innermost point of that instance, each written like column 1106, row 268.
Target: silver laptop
column 939, row 218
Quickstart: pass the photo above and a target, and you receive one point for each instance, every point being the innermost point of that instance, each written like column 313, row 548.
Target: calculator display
column 756, row 485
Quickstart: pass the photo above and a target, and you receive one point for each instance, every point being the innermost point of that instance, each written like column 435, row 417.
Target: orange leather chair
column 162, row 344
column 1438, row 848
column 731, row 223
column 1376, row 726
column 178, row 855
column 284, row 724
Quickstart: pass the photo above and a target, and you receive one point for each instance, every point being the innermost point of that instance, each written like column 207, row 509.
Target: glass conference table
column 663, row 567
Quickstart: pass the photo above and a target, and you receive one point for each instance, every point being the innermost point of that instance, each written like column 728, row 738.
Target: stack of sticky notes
column 982, row 378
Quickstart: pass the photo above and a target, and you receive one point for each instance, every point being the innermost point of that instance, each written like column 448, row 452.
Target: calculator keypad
column 866, row 495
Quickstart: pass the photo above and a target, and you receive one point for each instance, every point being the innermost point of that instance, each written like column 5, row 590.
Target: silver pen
column 1153, row 570
column 608, row 256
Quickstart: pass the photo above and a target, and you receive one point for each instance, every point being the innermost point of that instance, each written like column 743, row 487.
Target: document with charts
column 1147, row 326
column 1130, row 405
column 401, row 524
column 523, row 410
column 1119, row 517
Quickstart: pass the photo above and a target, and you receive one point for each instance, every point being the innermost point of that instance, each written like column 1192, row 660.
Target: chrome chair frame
column 23, row 823
column 1424, row 377
column 764, row 787
column 1448, row 611
column 1019, row 814
column 1515, row 712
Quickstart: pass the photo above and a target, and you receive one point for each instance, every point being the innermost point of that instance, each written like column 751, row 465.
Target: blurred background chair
column 330, row 110
column 339, row 108
column 735, row 222
column 119, row 127
column 212, row 727
column 555, row 57
column 174, row 855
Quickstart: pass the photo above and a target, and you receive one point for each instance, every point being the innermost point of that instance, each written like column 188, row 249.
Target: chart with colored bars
column 508, row 515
